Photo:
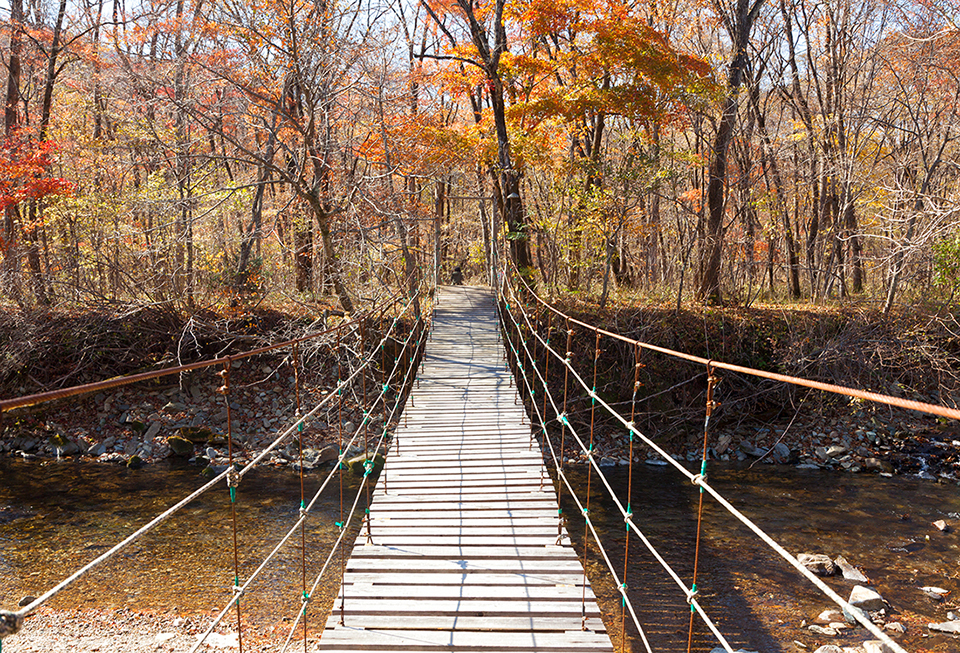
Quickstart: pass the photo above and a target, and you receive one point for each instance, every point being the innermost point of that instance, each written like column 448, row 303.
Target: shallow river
column 56, row 516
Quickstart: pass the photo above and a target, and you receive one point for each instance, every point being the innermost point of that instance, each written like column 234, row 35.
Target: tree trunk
column 11, row 214
column 739, row 27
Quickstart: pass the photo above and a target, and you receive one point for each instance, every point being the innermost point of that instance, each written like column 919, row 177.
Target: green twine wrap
column 693, row 590
column 233, row 495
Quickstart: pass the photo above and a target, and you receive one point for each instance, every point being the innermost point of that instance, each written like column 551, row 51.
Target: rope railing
column 12, row 621
column 345, row 523
column 697, row 479
column 628, row 517
column 306, row 510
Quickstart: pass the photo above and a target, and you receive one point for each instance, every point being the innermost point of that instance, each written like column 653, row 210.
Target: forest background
column 182, row 157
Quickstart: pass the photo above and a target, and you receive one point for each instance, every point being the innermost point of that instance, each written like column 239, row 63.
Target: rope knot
column 233, row 477
column 699, row 479
column 10, row 623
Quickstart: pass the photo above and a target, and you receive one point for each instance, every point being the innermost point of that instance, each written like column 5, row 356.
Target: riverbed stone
column 941, row 526
column 849, row 571
column 876, row 646
column 781, row 453
column 829, row 616
column 826, row 631
column 152, row 432
column 180, row 446
column 829, row 648
column 818, row 563
column 949, row 627
column 866, row 599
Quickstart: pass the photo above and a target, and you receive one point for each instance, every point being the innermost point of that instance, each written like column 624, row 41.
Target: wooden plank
column 565, row 593
column 477, row 579
column 464, row 519
column 345, row 638
column 526, row 623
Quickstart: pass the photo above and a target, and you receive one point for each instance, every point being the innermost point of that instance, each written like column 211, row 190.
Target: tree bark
column 739, row 26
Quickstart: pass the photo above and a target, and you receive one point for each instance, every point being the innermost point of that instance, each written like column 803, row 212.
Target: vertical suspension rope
column 546, row 393
column 586, row 510
column 340, row 524
column 363, row 425
column 233, row 479
column 711, row 404
column 564, row 424
column 303, row 506
column 626, row 539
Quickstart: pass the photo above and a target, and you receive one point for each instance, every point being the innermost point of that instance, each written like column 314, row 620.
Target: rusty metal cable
column 73, row 391
column 710, row 406
column 699, row 480
column 898, row 402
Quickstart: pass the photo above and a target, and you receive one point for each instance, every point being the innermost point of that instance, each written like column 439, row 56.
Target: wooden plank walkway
column 464, row 553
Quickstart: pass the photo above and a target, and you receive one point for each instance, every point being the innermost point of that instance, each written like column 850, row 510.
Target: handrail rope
column 697, row 479
column 116, row 382
column 303, row 515
column 909, row 404
column 18, row 616
column 628, row 519
column 344, row 523
column 588, row 523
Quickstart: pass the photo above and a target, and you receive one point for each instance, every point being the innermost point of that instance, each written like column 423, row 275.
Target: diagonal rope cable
column 303, row 513
column 344, row 523
column 12, row 621
column 698, row 480
column 628, row 519
column 588, row 523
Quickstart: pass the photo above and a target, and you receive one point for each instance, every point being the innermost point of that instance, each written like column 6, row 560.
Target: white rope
column 343, row 530
column 573, row 494
column 700, row 481
column 627, row 518
column 18, row 616
column 309, row 507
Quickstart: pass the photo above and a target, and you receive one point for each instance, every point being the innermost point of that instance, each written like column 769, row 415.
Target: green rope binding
column 623, row 594
column 300, row 427
column 339, row 524
column 703, row 472
column 693, row 591
column 233, row 495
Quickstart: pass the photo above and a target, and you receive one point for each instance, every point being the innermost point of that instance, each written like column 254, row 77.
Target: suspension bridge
column 462, row 546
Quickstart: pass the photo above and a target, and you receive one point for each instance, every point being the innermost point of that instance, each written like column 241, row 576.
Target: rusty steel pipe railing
column 116, row 382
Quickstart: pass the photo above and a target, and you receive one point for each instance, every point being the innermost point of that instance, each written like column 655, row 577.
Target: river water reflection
column 56, row 516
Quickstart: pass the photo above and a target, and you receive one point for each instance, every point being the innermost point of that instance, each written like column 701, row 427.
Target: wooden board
column 464, row 553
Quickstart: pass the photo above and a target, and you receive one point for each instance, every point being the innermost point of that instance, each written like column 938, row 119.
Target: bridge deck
column 464, row 553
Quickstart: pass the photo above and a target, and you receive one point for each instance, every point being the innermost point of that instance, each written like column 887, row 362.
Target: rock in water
column 866, row 599
column 850, row 572
column 951, row 627
column 941, row 526
column 180, row 446
column 829, row 648
column 818, row 563
column 781, row 453
column 876, row 646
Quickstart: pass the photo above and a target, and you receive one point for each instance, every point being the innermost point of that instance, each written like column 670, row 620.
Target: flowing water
column 55, row 516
